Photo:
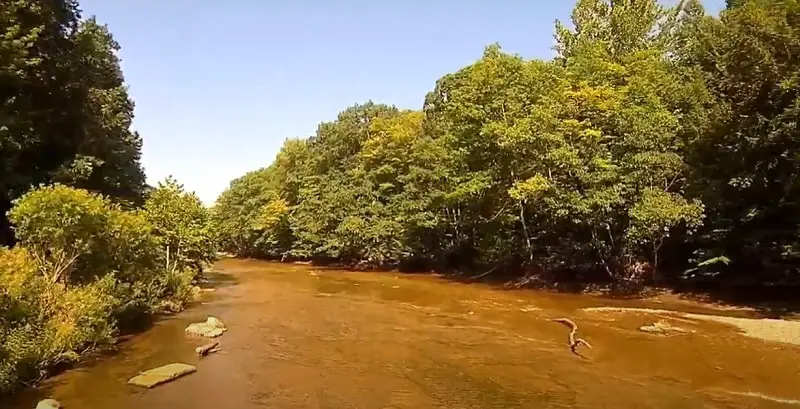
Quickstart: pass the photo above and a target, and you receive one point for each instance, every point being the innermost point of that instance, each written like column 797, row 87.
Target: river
column 305, row 337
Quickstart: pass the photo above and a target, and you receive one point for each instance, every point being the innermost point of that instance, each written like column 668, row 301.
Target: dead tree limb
column 572, row 341
column 485, row 274
column 207, row 348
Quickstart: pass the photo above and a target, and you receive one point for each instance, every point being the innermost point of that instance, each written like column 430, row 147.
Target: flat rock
column 211, row 328
column 162, row 374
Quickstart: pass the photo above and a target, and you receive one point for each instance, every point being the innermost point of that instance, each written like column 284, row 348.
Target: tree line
column 659, row 143
column 90, row 248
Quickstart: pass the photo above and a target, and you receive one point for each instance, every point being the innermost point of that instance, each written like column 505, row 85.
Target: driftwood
column 484, row 274
column 572, row 341
column 500, row 264
column 206, row 349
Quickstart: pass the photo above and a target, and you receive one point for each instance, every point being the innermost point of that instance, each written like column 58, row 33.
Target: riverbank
column 776, row 330
column 85, row 347
column 775, row 302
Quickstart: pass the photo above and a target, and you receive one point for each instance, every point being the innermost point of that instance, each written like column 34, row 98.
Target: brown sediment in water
column 340, row 339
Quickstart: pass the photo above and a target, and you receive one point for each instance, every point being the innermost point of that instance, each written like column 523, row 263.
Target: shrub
column 59, row 225
column 43, row 322
column 83, row 265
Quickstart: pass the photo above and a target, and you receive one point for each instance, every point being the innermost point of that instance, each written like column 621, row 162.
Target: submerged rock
column 663, row 328
column 48, row 404
column 162, row 374
column 197, row 293
column 211, row 328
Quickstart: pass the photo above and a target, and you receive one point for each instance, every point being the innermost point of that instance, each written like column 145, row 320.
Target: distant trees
column 658, row 139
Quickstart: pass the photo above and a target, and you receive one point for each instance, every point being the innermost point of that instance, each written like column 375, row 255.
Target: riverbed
column 308, row 337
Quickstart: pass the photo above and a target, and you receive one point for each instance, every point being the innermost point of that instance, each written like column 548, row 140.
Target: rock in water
column 214, row 322
column 211, row 328
column 48, row 404
column 197, row 293
column 162, row 374
column 664, row 328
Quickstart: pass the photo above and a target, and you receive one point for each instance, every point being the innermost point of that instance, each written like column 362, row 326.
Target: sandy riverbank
column 786, row 331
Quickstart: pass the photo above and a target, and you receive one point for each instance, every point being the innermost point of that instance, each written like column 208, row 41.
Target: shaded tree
column 64, row 110
column 749, row 60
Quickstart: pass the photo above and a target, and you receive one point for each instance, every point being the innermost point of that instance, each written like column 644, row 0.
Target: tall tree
column 328, row 194
column 64, row 111
column 749, row 59
column 107, row 158
column 40, row 103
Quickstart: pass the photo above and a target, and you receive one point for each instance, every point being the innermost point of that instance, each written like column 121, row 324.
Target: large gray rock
column 48, row 404
column 211, row 328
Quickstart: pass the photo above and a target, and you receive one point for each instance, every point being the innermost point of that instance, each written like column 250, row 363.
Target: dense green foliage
column 659, row 139
column 747, row 164
column 658, row 142
column 65, row 114
column 94, row 250
column 83, row 265
column 181, row 225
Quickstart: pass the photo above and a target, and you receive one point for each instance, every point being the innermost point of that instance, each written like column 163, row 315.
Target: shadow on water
column 216, row 279
column 131, row 323
column 767, row 301
column 763, row 301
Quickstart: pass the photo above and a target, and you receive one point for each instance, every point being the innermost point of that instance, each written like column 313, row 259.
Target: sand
column 765, row 329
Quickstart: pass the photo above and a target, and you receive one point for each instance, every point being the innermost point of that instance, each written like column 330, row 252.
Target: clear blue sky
column 219, row 85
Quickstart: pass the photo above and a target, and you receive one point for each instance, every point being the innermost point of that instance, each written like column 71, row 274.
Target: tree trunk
column 525, row 230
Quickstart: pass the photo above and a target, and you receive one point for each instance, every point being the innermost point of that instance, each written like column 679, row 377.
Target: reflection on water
column 301, row 337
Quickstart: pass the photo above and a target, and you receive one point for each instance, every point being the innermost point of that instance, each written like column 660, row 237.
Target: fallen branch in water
column 207, row 348
column 573, row 342
column 484, row 274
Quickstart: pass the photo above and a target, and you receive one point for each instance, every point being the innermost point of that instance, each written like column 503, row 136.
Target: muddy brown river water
column 304, row 337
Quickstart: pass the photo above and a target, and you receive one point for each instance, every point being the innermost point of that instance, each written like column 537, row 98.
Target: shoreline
column 767, row 329
column 97, row 352
column 758, row 301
